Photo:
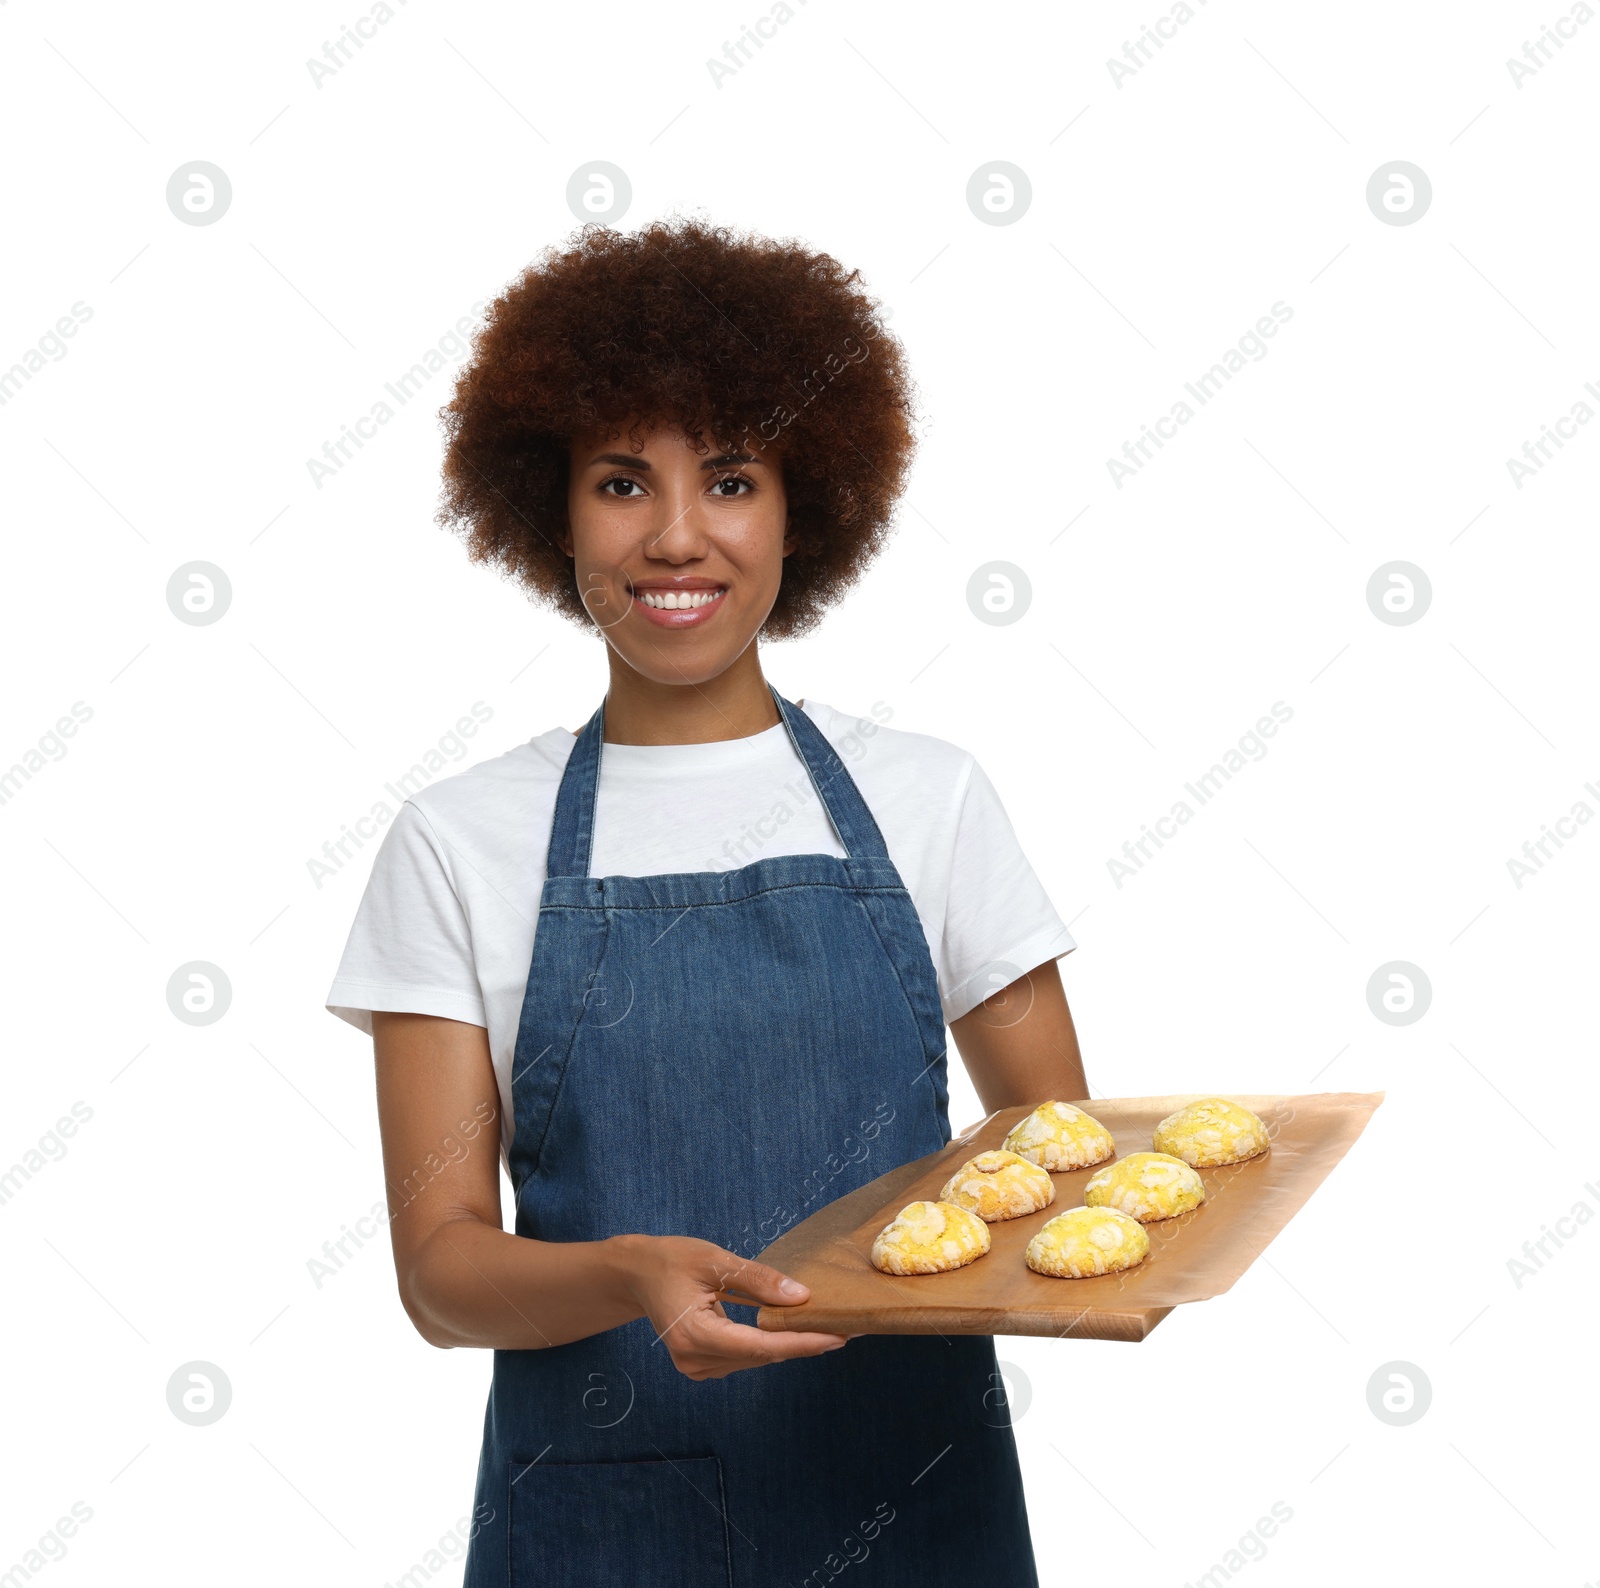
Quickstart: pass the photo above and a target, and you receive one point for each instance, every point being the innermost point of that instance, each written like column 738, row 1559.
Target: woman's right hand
column 678, row 1282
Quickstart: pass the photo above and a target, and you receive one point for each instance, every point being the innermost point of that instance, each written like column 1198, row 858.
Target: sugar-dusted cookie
column 928, row 1238
column 1146, row 1186
column 1058, row 1136
column 1085, row 1241
column 999, row 1185
column 1211, row 1132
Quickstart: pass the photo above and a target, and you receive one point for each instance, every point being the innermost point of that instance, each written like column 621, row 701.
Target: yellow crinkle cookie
column 1211, row 1132
column 1146, row 1186
column 1058, row 1136
column 999, row 1185
column 1085, row 1241
column 928, row 1238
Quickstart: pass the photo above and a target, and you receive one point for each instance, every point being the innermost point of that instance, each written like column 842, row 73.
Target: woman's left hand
column 679, row 1283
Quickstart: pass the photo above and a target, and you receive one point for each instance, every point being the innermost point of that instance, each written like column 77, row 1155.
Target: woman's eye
column 624, row 487
column 732, row 485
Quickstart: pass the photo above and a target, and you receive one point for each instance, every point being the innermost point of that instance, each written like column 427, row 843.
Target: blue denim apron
column 718, row 1054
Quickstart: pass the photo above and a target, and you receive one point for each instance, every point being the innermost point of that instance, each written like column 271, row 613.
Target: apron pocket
column 597, row 1524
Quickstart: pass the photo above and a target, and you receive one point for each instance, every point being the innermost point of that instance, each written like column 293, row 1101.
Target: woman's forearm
column 464, row 1280
column 473, row 1285
column 1020, row 1045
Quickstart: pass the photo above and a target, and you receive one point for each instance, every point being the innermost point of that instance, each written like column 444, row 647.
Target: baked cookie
column 1210, row 1132
column 1057, row 1136
column 1146, row 1186
column 1085, row 1241
column 999, row 1185
column 928, row 1238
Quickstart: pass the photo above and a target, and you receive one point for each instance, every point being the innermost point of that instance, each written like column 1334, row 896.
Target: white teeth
column 677, row 600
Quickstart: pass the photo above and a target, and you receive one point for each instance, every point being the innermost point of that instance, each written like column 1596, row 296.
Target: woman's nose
column 681, row 534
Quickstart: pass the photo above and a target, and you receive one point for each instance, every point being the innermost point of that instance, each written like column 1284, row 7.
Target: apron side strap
column 852, row 820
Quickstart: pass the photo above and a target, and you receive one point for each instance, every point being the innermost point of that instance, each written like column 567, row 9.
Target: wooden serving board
column 1194, row 1256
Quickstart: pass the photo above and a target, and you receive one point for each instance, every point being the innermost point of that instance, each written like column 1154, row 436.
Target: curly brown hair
column 756, row 342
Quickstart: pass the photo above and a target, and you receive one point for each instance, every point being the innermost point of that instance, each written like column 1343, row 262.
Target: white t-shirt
column 446, row 924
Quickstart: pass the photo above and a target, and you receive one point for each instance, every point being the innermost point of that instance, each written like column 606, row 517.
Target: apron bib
column 719, row 1054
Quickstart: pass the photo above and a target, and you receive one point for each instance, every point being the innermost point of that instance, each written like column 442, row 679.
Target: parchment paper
column 1192, row 1257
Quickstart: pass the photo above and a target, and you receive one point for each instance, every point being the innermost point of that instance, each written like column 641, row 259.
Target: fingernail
column 792, row 1287
column 842, row 1344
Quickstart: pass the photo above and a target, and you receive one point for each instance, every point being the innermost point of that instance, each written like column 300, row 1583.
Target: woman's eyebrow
column 631, row 460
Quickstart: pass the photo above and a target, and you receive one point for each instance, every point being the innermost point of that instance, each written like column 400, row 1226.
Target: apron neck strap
column 853, row 822
column 572, row 830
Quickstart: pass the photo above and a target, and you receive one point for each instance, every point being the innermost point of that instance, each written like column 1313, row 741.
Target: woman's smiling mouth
column 678, row 606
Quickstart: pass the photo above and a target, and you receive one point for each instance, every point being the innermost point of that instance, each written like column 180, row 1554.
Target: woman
column 696, row 959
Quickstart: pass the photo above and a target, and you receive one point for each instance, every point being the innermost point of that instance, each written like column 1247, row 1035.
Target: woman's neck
column 734, row 705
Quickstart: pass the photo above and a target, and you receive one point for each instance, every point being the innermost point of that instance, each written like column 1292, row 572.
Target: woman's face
column 678, row 554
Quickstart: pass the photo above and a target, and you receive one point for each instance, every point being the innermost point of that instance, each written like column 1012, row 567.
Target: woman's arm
column 464, row 1280
column 1020, row 1046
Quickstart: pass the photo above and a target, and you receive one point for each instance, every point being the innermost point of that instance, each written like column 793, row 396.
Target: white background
column 1168, row 214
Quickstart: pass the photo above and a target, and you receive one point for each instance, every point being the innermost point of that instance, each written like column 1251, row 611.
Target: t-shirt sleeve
column 410, row 947
column 999, row 922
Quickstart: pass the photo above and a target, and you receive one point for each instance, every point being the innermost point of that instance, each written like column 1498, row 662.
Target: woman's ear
column 564, row 541
column 788, row 538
